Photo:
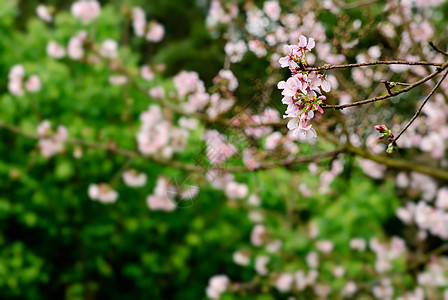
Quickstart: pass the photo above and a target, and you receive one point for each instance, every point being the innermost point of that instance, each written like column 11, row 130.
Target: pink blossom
column 325, row 246
column 240, row 258
column 188, row 123
column 216, row 286
column 257, row 235
column 235, row 190
column 284, row 282
column 55, row 50
column 17, row 72
column 188, row 82
column 292, row 53
column 134, row 179
column 51, row 143
column 229, row 79
column 254, row 200
column 218, row 150
column 15, row 87
column 261, row 265
column 306, row 45
column 312, row 259
column 33, row 84
column 86, row 10
column 146, row 73
column 155, row 32
column 138, row 21
column 103, row 193
column 358, row 244
column 109, row 49
column 349, row 289
column 163, row 197
column 235, row 51
column 157, row 92
column 290, row 87
column 257, row 47
column 43, row 13
column 118, row 79
column 406, row 214
column 442, row 198
column 272, row 10
column 274, row 246
column 273, row 140
column 75, row 46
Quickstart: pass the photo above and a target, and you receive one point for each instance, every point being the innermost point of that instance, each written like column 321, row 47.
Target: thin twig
column 394, row 82
column 373, row 63
column 417, row 113
column 113, row 148
column 437, row 49
column 379, row 98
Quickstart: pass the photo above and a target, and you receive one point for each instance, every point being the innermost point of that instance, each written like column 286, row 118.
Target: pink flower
column 235, row 190
column 272, row 10
column 55, row 50
column 75, row 46
column 109, row 49
column 157, row 92
column 33, row 84
column 216, row 286
column 155, row 32
column 290, row 87
column 235, row 51
column 86, row 10
column 304, row 46
column 43, row 13
column 284, row 282
column 15, row 87
column 261, row 265
column 257, row 235
column 325, row 246
column 17, row 72
column 240, row 258
column 291, row 56
column 163, row 197
column 51, row 143
column 257, row 47
column 229, row 79
column 134, row 179
column 103, row 193
column 138, row 21
column 146, row 73
column 118, row 79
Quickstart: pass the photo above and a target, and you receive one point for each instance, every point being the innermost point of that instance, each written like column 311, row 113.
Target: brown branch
column 437, row 49
column 383, row 97
column 399, row 164
column 417, row 113
column 112, row 147
column 394, row 82
column 373, row 63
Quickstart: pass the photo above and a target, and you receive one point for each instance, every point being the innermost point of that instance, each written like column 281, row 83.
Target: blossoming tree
column 344, row 190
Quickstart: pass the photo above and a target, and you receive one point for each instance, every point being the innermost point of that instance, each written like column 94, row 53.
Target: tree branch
column 417, row 113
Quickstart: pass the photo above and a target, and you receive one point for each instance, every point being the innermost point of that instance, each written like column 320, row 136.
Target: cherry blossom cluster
column 51, row 143
column 301, row 92
column 159, row 136
column 17, row 82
